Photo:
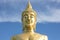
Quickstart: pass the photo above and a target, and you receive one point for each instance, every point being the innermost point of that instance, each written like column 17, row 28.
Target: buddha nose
column 28, row 18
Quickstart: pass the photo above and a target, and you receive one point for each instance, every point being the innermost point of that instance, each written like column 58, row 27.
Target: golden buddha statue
column 29, row 25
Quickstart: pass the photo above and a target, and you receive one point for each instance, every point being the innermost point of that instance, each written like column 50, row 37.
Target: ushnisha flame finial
column 29, row 6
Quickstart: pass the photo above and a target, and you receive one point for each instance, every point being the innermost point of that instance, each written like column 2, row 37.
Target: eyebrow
column 25, row 14
column 32, row 14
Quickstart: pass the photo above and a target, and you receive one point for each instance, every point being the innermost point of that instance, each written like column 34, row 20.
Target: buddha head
column 29, row 18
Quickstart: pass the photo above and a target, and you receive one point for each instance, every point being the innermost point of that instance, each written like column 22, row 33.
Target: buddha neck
column 28, row 31
column 28, row 28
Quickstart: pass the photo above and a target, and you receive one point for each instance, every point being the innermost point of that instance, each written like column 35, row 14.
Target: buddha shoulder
column 35, row 36
column 41, row 36
column 20, row 36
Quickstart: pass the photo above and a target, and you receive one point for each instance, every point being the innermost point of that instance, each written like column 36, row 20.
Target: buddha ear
column 35, row 21
column 22, row 19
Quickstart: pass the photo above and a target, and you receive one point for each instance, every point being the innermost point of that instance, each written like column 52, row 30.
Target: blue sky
column 48, row 17
column 47, row 10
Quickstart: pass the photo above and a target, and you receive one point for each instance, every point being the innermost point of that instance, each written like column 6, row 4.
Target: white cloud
column 30, row 0
column 4, row 17
column 54, row 17
column 58, row 1
column 12, row 19
column 42, row 17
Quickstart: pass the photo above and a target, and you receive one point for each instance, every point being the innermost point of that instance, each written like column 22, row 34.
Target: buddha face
column 29, row 19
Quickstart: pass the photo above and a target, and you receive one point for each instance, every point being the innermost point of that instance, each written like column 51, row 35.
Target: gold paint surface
column 29, row 25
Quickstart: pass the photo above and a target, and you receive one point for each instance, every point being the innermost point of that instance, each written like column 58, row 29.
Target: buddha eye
column 26, row 16
column 32, row 16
